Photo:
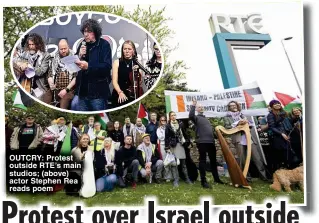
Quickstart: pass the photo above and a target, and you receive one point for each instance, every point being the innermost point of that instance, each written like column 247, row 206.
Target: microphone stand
column 140, row 65
column 138, row 75
column 134, row 81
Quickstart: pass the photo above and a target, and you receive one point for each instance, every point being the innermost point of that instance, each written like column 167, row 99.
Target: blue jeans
column 86, row 104
column 75, row 103
column 106, row 183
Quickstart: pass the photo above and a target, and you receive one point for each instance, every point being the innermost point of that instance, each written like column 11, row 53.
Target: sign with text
column 249, row 24
column 215, row 103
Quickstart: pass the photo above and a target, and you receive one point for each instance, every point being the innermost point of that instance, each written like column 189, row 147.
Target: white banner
column 215, row 103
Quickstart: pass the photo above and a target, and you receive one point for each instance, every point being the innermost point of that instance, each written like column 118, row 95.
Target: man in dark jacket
column 205, row 143
column 152, row 127
column 27, row 137
column 127, row 155
column 75, row 133
column 149, row 159
column 95, row 64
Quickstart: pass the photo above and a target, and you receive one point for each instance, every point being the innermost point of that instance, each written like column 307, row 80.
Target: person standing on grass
column 117, row 135
column 174, row 141
column 152, row 127
column 27, row 137
column 138, row 132
column 233, row 118
column 128, row 127
column 205, row 143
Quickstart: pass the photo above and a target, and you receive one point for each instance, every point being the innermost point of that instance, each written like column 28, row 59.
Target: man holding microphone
column 95, row 63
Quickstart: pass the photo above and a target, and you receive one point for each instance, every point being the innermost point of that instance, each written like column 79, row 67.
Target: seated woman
column 105, row 168
column 153, row 66
column 78, row 154
column 123, row 71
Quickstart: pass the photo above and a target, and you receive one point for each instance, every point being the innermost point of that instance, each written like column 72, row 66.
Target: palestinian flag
column 254, row 98
column 103, row 119
column 66, row 146
column 17, row 101
column 288, row 101
column 142, row 114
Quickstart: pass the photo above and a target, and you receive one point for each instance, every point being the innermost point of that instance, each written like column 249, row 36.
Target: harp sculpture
column 237, row 176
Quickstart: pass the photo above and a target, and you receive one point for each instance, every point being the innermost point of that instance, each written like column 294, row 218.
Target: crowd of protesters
column 160, row 151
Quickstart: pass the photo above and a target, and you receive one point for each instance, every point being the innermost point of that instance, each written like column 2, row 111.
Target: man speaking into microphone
column 92, row 82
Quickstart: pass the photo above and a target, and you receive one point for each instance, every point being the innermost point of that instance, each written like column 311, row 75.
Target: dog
column 285, row 178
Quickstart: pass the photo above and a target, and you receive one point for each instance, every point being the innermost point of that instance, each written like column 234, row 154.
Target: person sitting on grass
column 127, row 155
column 105, row 168
column 78, row 154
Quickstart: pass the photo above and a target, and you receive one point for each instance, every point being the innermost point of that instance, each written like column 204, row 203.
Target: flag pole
column 138, row 110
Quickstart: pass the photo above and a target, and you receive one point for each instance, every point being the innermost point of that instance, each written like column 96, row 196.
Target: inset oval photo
column 87, row 62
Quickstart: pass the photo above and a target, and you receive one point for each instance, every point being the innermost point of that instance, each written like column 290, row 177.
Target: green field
column 167, row 195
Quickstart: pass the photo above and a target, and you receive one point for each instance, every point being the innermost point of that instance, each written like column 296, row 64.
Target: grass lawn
column 167, row 195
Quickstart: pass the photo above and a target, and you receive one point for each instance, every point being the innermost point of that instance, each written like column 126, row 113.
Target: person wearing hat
column 279, row 128
column 149, row 159
column 27, row 137
column 53, row 136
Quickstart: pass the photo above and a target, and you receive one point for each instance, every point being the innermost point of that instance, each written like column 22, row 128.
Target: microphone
column 83, row 44
column 140, row 65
